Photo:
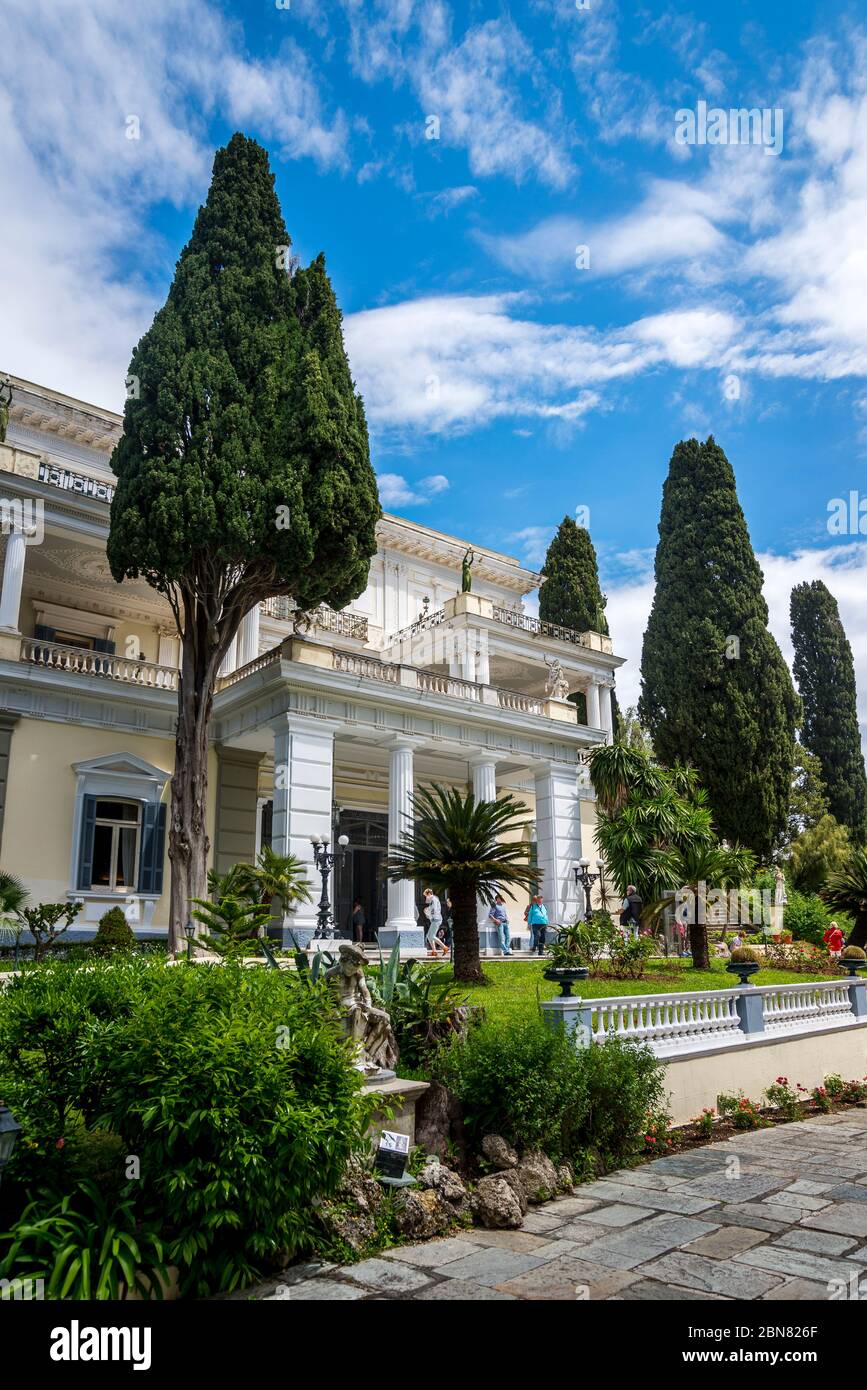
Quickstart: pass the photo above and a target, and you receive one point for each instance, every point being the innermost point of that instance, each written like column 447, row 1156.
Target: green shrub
column 629, row 956
column 113, row 934
column 533, row 1086
column 745, row 953
column 234, row 1088
column 86, row 1247
column 807, row 918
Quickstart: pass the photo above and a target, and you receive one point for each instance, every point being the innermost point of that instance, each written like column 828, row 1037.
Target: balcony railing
column 324, row 619
column 83, row 662
column 69, row 481
column 354, row 664
column 525, row 623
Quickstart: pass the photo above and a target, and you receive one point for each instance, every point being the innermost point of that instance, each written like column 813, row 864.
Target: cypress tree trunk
column 465, row 930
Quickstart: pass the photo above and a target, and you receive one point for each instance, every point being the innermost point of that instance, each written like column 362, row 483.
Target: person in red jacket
column 833, row 939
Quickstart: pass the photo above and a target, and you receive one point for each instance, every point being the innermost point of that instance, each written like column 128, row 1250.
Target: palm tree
column 655, row 830
column 456, row 845
column 273, row 877
column 699, row 869
column 846, row 891
column 13, row 896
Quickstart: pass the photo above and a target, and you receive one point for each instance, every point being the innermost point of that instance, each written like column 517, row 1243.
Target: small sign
column 392, row 1154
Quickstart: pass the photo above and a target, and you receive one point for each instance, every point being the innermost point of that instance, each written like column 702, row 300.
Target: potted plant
column 744, row 962
column 853, row 959
column 566, row 958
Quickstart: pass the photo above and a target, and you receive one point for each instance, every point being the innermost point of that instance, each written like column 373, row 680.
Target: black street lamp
column 9, row 1132
column 586, row 880
column 324, row 862
column 190, row 934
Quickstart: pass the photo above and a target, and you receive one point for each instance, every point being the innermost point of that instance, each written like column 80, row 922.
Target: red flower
column 60, row 1143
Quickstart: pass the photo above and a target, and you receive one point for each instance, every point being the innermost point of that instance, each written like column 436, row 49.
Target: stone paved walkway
column 773, row 1214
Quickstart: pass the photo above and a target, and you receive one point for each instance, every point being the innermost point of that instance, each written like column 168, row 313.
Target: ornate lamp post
column 586, row 880
column 324, row 862
column 190, row 934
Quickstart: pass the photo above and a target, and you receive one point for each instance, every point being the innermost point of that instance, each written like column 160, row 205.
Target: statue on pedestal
column 556, row 685
column 366, row 1026
column 466, row 572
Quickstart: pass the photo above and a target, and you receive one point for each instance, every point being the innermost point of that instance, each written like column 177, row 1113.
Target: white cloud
column 75, row 190
column 395, row 491
column 533, row 542
column 477, row 88
column 455, row 362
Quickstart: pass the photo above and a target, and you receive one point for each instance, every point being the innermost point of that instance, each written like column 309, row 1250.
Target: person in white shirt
column 434, row 914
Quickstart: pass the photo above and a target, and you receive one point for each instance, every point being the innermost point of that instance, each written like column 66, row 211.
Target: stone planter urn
column 852, row 964
column 743, row 969
column 566, row 977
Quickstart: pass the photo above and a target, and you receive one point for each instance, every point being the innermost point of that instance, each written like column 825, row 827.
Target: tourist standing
column 434, row 914
column 630, row 916
column 536, row 917
column 833, row 939
column 500, row 918
column 359, row 921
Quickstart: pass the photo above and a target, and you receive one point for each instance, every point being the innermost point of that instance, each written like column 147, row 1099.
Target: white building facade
column 323, row 726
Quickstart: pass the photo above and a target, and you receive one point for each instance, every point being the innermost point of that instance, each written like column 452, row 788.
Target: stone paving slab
column 791, row 1225
column 698, row 1273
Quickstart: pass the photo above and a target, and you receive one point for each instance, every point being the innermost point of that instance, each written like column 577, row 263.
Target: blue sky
column 726, row 289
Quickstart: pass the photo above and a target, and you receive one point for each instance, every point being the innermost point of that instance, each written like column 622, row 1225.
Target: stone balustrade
column 82, row 661
column 673, row 1025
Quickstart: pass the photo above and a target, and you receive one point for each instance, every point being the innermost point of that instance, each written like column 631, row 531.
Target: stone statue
column 556, row 686
column 5, row 402
column 778, row 911
column 466, row 572
column 366, row 1026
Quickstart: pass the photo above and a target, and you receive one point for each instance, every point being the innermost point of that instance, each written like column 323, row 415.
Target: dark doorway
column 360, row 875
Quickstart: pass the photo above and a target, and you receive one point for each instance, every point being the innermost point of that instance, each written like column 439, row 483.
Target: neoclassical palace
column 323, row 725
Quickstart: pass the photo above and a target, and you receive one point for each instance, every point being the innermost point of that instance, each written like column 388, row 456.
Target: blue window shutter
column 43, row 633
column 102, row 644
column 153, row 843
column 85, row 849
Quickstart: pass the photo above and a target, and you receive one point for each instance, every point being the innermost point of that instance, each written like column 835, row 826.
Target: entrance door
column 361, row 875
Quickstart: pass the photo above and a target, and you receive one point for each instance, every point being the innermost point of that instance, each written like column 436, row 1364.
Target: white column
column 248, row 637
column 229, row 662
column 558, row 838
column 13, row 580
column 303, row 795
column 606, row 710
column 401, row 924
column 594, row 708
column 484, row 774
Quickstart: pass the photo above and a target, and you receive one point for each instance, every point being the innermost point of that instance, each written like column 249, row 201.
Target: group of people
column 438, row 934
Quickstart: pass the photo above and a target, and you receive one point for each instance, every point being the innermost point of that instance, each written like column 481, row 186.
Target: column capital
column 411, row 741
column 483, row 759
column 288, row 723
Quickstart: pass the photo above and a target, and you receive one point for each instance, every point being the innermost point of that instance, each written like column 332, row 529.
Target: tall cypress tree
column 825, row 674
column 570, row 592
column 243, row 469
column 715, row 689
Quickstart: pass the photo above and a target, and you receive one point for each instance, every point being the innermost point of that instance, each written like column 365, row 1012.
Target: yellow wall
column 40, row 800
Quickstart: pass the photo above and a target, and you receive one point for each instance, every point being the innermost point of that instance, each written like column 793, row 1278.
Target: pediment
column 122, row 765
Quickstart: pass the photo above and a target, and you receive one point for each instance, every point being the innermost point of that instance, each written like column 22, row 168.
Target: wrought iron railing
column 324, row 619
column 524, row 622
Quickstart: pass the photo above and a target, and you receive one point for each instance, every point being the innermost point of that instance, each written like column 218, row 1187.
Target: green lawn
column 515, row 985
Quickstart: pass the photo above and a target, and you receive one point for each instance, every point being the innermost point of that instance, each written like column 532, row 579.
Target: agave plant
column 456, row 844
column 846, row 891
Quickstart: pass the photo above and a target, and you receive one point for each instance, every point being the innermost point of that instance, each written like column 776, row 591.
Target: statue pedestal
column 401, row 1098
column 777, row 913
